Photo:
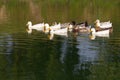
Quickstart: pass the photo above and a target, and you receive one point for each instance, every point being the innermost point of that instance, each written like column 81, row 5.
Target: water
column 35, row 57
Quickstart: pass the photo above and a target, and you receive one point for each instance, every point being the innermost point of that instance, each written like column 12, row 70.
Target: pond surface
column 35, row 57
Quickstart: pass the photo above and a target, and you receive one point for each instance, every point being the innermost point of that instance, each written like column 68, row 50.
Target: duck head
column 29, row 29
column 97, row 23
column 29, row 23
column 46, row 28
column 73, row 23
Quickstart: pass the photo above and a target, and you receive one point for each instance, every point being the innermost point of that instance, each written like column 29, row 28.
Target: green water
column 35, row 57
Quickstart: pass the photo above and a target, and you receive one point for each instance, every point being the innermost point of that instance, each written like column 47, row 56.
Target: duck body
column 62, row 32
column 102, row 29
column 56, row 27
column 99, row 24
column 53, row 27
column 80, row 27
column 65, row 25
column 102, row 33
column 82, row 24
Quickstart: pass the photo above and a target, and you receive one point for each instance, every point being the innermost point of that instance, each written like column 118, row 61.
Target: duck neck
column 98, row 24
column 93, row 31
column 29, row 25
column 86, row 23
column 29, row 30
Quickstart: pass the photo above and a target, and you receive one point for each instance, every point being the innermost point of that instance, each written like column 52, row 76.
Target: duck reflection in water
column 88, row 54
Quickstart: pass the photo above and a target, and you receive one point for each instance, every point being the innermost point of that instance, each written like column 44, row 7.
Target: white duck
column 56, row 27
column 64, row 25
column 61, row 32
column 102, row 33
column 38, row 27
column 103, row 24
column 93, row 36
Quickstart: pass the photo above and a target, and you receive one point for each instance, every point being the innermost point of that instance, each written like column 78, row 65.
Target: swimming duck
column 53, row 27
column 60, row 32
column 38, row 27
column 99, row 24
column 56, row 26
column 80, row 27
column 82, row 24
column 64, row 25
column 102, row 33
column 93, row 36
